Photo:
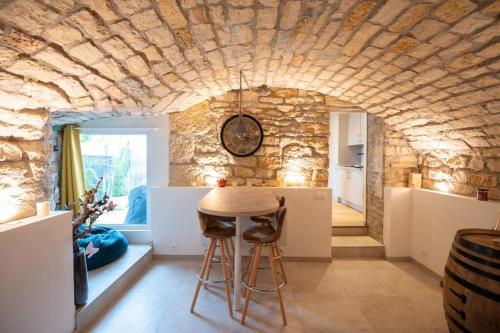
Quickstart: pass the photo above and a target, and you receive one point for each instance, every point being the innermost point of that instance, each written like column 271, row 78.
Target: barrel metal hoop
column 479, row 260
column 476, row 270
column 459, row 312
column 461, row 297
column 477, row 248
column 481, row 291
column 456, row 323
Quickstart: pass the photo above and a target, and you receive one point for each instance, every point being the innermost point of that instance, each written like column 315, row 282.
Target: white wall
column 157, row 141
column 36, row 275
column 421, row 224
column 397, row 221
column 333, row 155
column 174, row 226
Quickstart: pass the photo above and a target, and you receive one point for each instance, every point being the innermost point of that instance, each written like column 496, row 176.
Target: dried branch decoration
column 88, row 213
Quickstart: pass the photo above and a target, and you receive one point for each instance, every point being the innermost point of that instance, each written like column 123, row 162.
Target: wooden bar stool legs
column 206, row 263
column 276, row 283
column 251, row 280
column 278, row 255
column 227, row 284
column 205, row 271
column 271, row 248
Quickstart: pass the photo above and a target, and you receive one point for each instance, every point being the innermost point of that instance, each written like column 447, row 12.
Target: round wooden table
column 238, row 202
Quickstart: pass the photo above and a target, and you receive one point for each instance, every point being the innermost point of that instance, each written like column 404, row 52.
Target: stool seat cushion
column 225, row 219
column 111, row 243
column 219, row 230
column 268, row 219
column 260, row 234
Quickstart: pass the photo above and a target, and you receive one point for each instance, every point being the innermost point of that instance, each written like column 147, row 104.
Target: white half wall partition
column 36, row 275
column 421, row 224
column 175, row 231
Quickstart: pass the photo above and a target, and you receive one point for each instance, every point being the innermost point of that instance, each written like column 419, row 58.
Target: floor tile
column 343, row 296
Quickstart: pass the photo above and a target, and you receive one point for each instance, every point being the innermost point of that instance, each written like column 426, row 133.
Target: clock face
column 241, row 136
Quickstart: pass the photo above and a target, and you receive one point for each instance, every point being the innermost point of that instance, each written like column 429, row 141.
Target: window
column 121, row 160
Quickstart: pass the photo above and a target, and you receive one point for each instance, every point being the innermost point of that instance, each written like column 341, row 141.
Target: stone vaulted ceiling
column 430, row 68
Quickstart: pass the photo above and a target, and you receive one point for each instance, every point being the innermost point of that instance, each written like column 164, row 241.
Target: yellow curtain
column 72, row 183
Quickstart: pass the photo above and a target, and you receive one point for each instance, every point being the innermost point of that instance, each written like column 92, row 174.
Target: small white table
column 238, row 202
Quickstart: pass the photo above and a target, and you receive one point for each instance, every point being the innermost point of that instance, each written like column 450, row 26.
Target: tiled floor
column 343, row 296
column 346, row 216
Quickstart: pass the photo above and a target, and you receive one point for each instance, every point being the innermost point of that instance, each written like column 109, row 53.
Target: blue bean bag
column 137, row 202
column 111, row 243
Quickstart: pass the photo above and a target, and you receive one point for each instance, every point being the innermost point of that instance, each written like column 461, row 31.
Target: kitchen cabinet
column 348, row 185
column 356, row 129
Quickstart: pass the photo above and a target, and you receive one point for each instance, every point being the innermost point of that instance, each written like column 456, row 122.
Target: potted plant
column 89, row 209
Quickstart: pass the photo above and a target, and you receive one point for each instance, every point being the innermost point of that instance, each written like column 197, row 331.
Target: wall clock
column 241, row 135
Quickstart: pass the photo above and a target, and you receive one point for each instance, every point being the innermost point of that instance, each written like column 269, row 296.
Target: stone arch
column 428, row 68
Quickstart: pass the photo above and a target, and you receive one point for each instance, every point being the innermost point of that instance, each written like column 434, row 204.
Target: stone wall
column 429, row 67
column 399, row 158
column 25, row 171
column 296, row 131
column 375, row 176
column 390, row 159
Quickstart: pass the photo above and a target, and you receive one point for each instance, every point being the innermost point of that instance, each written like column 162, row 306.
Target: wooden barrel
column 471, row 283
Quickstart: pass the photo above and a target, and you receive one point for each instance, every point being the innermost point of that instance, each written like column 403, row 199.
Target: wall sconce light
column 210, row 181
column 7, row 212
column 294, row 179
column 211, row 175
column 442, row 186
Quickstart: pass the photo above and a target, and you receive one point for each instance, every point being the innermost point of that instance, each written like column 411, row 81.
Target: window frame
column 129, row 131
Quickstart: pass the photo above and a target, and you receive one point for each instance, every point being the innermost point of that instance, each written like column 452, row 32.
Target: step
column 107, row 282
column 347, row 230
column 356, row 247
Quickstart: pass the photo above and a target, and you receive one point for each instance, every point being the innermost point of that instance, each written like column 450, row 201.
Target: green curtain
column 72, row 182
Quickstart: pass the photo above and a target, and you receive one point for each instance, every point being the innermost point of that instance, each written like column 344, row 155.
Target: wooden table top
column 238, row 201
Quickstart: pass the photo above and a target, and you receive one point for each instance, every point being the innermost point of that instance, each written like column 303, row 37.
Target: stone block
column 24, row 124
column 31, row 15
column 63, row 34
column 86, row 53
column 290, row 14
column 61, row 62
column 413, row 15
column 181, row 149
column 110, row 69
column 128, row 7
column 9, row 151
column 240, row 15
column 90, row 24
column 172, row 14
column 243, row 172
column 452, row 10
column 137, row 66
column 493, row 164
column 117, row 48
column 266, row 162
column 102, row 7
column 18, row 40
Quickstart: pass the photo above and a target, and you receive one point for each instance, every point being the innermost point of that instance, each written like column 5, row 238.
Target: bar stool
column 228, row 243
column 264, row 236
column 218, row 233
column 268, row 218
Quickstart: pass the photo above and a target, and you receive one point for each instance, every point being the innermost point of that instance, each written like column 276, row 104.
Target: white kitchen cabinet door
column 354, row 134
column 356, row 187
column 339, row 184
